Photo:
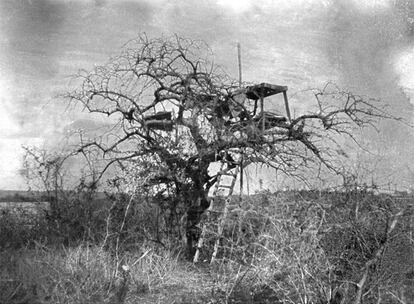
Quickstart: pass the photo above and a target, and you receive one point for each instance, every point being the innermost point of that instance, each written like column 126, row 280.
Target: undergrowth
column 288, row 247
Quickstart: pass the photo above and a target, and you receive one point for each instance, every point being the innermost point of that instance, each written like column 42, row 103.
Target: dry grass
column 275, row 249
column 315, row 248
column 87, row 274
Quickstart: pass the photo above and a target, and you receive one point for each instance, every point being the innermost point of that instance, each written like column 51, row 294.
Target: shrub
column 307, row 248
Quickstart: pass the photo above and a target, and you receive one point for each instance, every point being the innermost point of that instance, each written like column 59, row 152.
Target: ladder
column 220, row 186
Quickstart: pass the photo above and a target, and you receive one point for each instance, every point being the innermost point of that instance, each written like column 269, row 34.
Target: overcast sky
column 367, row 46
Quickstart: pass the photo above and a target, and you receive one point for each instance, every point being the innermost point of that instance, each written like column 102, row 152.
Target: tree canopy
column 173, row 111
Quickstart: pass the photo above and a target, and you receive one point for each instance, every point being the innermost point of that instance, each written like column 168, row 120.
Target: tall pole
column 240, row 84
column 240, row 66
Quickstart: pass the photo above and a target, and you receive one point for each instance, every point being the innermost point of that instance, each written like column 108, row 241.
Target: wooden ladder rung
column 226, row 186
column 228, row 174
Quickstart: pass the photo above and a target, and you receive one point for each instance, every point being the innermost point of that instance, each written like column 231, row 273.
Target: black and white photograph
column 211, row 151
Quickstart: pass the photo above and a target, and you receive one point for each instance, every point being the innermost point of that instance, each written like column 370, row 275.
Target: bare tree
column 44, row 171
column 173, row 112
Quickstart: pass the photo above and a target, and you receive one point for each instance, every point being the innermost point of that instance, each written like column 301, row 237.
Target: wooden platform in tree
column 264, row 90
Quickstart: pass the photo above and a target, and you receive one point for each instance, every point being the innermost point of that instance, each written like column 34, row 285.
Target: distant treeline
column 43, row 196
column 23, row 196
column 37, row 196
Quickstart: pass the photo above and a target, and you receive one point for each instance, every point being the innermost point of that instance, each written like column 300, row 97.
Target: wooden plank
column 264, row 90
column 287, row 106
column 262, row 113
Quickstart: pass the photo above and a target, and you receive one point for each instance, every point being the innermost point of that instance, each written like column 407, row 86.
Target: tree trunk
column 197, row 205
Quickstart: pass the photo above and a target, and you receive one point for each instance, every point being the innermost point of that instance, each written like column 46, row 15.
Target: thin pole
column 241, row 154
column 262, row 110
column 241, row 175
column 240, row 65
